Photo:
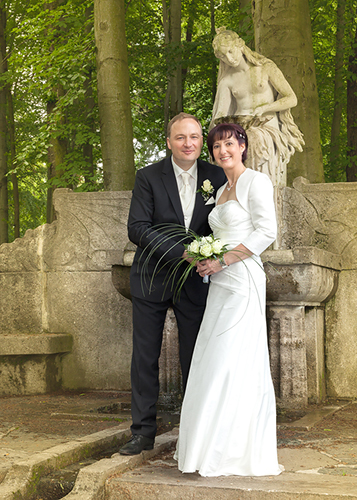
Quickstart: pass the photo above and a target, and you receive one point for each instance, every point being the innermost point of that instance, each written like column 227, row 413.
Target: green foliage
column 33, row 197
column 323, row 17
column 148, row 66
column 52, row 76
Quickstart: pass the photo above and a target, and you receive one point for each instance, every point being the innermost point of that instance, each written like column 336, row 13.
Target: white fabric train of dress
column 228, row 417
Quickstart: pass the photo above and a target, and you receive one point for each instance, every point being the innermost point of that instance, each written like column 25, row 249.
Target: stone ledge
column 304, row 255
column 32, row 344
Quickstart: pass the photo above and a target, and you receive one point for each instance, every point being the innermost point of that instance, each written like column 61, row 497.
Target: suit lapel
column 199, row 202
column 170, row 183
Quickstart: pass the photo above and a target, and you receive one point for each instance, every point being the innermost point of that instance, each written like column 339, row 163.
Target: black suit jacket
column 156, row 200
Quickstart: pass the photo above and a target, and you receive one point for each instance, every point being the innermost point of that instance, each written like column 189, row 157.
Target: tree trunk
column 90, row 105
column 15, row 184
column 245, row 6
column 116, row 129
column 56, row 155
column 57, row 147
column 167, row 38
column 351, row 170
column 172, row 33
column 4, row 209
column 283, row 34
column 176, row 87
column 214, row 61
column 189, row 33
column 338, row 86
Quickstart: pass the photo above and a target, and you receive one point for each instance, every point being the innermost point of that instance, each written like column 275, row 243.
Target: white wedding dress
column 228, row 416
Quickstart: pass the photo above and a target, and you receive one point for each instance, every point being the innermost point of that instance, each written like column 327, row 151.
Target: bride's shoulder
column 257, row 177
column 253, row 185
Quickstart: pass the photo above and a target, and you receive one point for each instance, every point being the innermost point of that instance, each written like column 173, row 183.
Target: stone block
column 86, row 305
column 28, row 345
column 341, row 338
column 36, row 374
column 90, row 227
column 322, row 216
column 25, row 254
column 21, row 300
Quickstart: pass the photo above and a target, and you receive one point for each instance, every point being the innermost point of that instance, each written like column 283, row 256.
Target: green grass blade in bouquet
column 165, row 233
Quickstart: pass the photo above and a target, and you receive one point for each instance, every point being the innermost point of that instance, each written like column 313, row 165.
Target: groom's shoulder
column 155, row 168
column 205, row 164
column 212, row 170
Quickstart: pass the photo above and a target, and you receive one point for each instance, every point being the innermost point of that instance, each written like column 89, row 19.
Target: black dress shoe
column 136, row 445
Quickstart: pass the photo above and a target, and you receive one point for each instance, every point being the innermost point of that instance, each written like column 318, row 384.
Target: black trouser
column 148, row 324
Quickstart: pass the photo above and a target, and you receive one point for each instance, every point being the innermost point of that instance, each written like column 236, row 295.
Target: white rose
column 207, row 186
column 206, row 250
column 194, row 247
column 209, row 239
column 217, row 246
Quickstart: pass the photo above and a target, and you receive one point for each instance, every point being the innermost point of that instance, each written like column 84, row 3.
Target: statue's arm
column 222, row 102
column 286, row 96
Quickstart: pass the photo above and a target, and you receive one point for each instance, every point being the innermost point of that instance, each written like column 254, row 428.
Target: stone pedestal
column 300, row 281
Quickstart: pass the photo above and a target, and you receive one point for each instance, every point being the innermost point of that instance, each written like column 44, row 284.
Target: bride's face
column 230, row 54
column 228, row 152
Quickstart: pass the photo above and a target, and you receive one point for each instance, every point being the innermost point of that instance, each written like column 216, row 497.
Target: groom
column 164, row 193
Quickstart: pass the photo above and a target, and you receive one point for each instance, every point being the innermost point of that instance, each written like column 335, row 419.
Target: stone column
column 287, row 343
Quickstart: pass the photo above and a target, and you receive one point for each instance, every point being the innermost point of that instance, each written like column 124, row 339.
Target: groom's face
column 185, row 142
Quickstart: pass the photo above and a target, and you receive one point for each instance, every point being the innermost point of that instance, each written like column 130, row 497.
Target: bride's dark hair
column 224, row 131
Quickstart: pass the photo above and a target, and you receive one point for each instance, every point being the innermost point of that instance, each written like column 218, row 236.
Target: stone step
column 316, row 466
column 23, row 478
column 164, row 481
column 314, row 469
column 28, row 344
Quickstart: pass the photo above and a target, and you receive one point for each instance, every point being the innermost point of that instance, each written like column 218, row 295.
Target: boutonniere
column 206, row 189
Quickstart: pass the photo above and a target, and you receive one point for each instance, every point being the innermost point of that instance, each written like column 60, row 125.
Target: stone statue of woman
column 252, row 91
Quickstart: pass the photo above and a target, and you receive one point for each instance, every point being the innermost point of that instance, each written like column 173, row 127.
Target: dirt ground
column 50, row 415
column 69, row 415
column 338, row 430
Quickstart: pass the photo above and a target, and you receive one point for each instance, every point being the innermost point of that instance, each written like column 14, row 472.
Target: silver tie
column 186, row 191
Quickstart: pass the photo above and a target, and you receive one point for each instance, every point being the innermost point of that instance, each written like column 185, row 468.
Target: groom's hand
column 200, row 266
column 186, row 257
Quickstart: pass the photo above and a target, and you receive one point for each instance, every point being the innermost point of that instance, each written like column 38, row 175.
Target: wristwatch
column 222, row 262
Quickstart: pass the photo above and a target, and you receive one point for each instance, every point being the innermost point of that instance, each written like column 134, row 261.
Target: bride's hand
column 208, row 267
column 201, row 265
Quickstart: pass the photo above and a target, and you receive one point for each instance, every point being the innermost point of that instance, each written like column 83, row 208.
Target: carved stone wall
column 324, row 216
column 57, row 280
column 63, row 323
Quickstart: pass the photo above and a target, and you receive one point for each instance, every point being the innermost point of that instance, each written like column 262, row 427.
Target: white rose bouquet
column 205, row 247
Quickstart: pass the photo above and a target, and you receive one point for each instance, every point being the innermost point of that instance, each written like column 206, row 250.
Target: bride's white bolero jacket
column 255, row 193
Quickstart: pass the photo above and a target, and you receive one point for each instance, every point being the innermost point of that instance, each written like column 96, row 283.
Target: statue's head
column 228, row 47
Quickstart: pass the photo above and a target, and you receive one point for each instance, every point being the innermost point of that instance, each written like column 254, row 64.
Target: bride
column 228, row 417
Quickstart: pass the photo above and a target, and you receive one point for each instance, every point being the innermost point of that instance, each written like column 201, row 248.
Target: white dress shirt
column 188, row 209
